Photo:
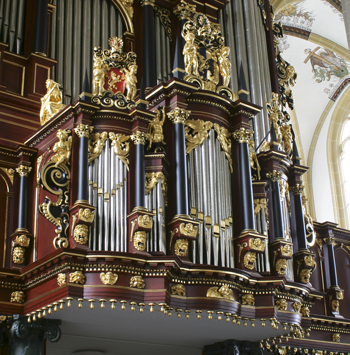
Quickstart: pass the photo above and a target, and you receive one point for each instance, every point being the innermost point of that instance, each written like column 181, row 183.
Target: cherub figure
column 130, row 81
column 62, row 148
column 190, row 53
column 99, row 76
column 224, row 64
column 51, row 103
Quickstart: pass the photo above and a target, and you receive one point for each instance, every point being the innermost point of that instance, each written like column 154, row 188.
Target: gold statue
column 130, row 81
column 155, row 129
column 254, row 163
column 51, row 103
column 190, row 53
column 99, row 76
column 287, row 138
column 62, row 148
column 224, row 64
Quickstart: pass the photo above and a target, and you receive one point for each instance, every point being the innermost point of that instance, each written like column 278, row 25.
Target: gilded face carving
column 140, row 239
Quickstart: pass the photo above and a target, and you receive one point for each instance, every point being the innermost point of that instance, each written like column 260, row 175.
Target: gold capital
column 297, row 189
column 274, row 175
column 184, row 11
column 178, row 115
column 242, row 135
column 23, row 170
column 139, row 137
column 83, row 130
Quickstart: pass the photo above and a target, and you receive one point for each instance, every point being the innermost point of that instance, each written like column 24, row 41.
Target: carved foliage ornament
column 281, row 304
column 184, row 11
column 137, row 282
column 178, row 289
column 17, row 297
column 223, row 136
column 305, row 311
column 96, row 143
column 181, row 247
column 77, row 277
column 61, row 279
column 151, row 181
column 196, row 131
column 108, row 278
column 222, row 292
column 274, row 175
column 121, row 146
column 23, row 170
column 248, row 300
column 178, row 115
column 297, row 306
column 139, row 137
column 242, row 135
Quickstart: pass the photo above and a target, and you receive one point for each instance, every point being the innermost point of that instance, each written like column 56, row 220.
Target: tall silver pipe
column 95, row 203
column 106, row 195
column 112, row 198
column 199, row 174
column 206, row 200
column 125, row 203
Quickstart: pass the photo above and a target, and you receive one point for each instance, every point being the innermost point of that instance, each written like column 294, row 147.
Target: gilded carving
column 259, row 204
column 152, row 180
column 51, row 102
column 248, row 299
column 249, row 260
column 178, row 115
column 18, row 255
column 188, row 230
column 61, row 279
column 310, row 261
column 222, row 292
column 140, row 238
column 155, row 128
column 22, row 240
column 137, row 282
column 336, row 337
column 190, row 52
column 129, row 6
column 274, row 175
column 281, row 266
column 108, row 278
column 77, row 277
column 287, row 135
column 287, row 250
column 242, row 135
column 281, row 304
column 184, row 11
column 62, row 148
column 276, row 116
column 297, row 307
column 309, row 225
column 339, row 294
column 10, row 173
column 223, row 136
column 224, row 64
column 139, row 137
column 196, row 131
column 99, row 69
column 257, row 244
column 253, row 159
column 305, row 311
column 96, row 143
column 305, row 275
column 130, row 81
column 297, row 189
column 86, row 215
column 145, row 221
column 23, row 170
column 178, row 289
column 81, row 234
column 335, row 305
column 181, row 247
column 121, row 146
column 17, row 297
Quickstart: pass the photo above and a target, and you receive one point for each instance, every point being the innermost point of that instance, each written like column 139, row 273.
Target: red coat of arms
column 114, row 80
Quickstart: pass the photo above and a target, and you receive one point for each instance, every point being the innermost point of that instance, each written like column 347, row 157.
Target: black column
column 179, row 63
column 274, row 177
column 331, row 260
column 297, row 190
column 149, row 46
column 242, row 136
column 23, row 171
column 139, row 139
column 178, row 117
column 40, row 27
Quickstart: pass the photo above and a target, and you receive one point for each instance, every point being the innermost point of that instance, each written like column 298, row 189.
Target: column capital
column 274, row 175
column 23, row 170
column 139, row 137
column 178, row 115
column 242, row 135
column 296, row 189
column 83, row 130
column 184, row 11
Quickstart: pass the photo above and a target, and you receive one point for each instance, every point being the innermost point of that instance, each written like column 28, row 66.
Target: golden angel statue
column 51, row 103
column 62, row 148
column 224, row 64
column 130, row 81
column 99, row 76
column 190, row 53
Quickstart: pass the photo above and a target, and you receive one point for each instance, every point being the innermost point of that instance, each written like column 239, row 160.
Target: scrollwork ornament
column 242, row 135
column 121, row 146
column 257, row 244
column 139, row 240
column 81, row 234
column 178, row 290
column 23, row 170
column 18, row 255
column 17, row 297
column 83, row 130
column 77, row 277
column 20, row 329
column 108, row 278
column 139, row 137
column 181, row 247
column 297, row 189
column 196, row 131
column 281, row 304
column 281, row 266
column 249, row 260
column 274, row 175
column 178, row 115
column 137, row 282
column 22, row 240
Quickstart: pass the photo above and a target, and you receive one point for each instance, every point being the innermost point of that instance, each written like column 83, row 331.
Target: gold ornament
column 61, row 279
column 274, row 175
column 17, row 297
column 130, row 81
column 22, row 240
column 222, row 292
column 305, row 275
column 248, row 299
column 99, row 70
column 305, row 311
column 336, row 337
column 297, row 306
column 181, row 247
column 155, row 129
column 190, row 52
column 184, row 11
column 249, row 260
column 62, row 148
column 96, row 144
column 242, row 135
column 108, row 278
column 137, row 282
column 310, row 261
column 281, row 266
column 276, row 116
column 18, row 255
column 286, row 250
column 178, row 115
column 51, row 102
column 297, row 189
column 145, row 221
column 139, row 137
column 178, row 289
column 23, row 170
column 81, row 234
column 335, row 305
column 121, row 147
column 140, row 238
column 188, row 229
column 77, row 277
column 286, row 131
column 223, row 136
column 224, row 64
column 281, row 304
column 86, row 215
column 257, row 244
column 83, row 130
column 254, row 162
column 196, row 131
column 152, row 180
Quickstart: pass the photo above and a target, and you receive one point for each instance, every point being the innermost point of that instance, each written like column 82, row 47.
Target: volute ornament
column 17, row 297
column 108, row 278
column 281, row 266
column 248, row 299
column 181, row 247
column 140, row 238
column 178, row 289
column 77, row 277
column 137, row 282
column 222, row 292
column 81, row 234
column 281, row 304
column 249, row 260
